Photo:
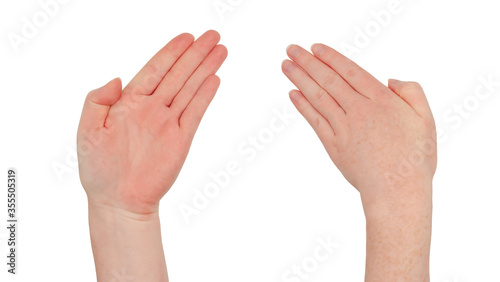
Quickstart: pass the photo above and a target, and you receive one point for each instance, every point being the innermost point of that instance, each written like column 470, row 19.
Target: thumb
column 97, row 104
column 413, row 94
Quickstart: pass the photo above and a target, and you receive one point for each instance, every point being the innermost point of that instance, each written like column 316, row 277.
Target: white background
column 271, row 215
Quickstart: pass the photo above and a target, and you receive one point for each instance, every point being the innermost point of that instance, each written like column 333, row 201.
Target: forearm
column 398, row 234
column 126, row 246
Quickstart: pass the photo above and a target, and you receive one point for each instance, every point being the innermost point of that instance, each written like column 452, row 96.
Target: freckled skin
column 374, row 134
column 132, row 144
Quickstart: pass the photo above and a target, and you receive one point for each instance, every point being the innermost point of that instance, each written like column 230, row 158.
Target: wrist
column 398, row 234
column 412, row 199
column 118, row 215
column 126, row 241
column 120, row 206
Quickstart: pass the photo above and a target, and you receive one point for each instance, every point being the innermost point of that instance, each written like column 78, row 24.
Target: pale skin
column 382, row 139
column 132, row 144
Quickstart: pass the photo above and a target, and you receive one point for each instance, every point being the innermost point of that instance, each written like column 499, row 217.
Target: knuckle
column 151, row 69
column 330, row 81
column 381, row 94
column 152, row 77
column 351, row 72
column 176, row 74
column 320, row 95
column 135, row 90
column 316, row 122
column 201, row 48
column 361, row 110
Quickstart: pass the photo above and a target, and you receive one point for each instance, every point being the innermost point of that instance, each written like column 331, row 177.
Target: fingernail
column 293, row 51
column 294, row 95
column 318, row 49
column 288, row 66
column 394, row 81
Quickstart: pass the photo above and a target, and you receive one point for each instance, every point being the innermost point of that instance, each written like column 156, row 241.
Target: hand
column 133, row 143
column 383, row 141
column 381, row 138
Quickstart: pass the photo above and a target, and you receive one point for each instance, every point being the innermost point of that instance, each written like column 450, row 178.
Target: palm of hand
column 133, row 142
column 138, row 156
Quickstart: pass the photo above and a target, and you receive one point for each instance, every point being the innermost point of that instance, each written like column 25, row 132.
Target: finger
column 320, row 125
column 317, row 96
column 359, row 79
column 327, row 78
column 97, row 104
column 413, row 94
column 210, row 66
column 192, row 115
column 148, row 78
column 185, row 66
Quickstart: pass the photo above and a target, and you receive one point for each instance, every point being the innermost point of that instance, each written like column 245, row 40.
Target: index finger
column 359, row 79
column 150, row 76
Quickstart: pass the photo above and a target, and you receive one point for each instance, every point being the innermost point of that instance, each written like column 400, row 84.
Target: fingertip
column 212, row 82
column 294, row 51
column 117, row 81
column 107, row 94
column 413, row 94
column 98, row 102
column 190, row 37
column 294, row 95
column 393, row 82
column 213, row 33
column 286, row 66
column 224, row 48
column 216, row 79
column 185, row 35
column 318, row 49
column 186, row 38
column 115, row 86
column 105, row 86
